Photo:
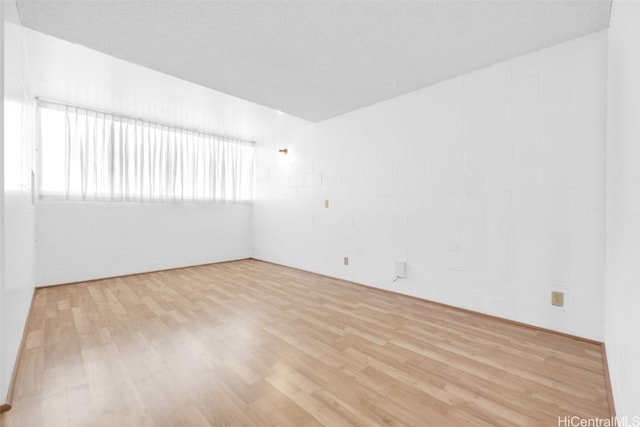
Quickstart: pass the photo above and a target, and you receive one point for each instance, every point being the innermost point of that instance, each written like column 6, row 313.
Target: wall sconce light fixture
column 283, row 151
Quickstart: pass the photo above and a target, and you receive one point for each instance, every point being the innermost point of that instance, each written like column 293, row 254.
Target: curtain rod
column 49, row 101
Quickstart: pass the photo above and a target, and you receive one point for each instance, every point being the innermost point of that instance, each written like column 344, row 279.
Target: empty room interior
column 306, row 213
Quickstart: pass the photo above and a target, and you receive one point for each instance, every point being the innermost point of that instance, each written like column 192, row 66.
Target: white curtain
column 89, row 155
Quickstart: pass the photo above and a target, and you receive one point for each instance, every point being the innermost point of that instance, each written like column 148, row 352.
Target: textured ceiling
column 315, row 59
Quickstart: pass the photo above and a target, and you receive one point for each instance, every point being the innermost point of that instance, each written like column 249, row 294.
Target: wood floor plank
column 250, row 343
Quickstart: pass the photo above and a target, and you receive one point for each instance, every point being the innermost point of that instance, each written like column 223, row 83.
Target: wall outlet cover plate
column 557, row 299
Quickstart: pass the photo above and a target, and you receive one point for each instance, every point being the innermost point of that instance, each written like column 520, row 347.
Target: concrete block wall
column 79, row 241
column 491, row 186
column 623, row 210
column 17, row 266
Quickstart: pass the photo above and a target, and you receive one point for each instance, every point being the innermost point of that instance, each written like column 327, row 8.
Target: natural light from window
column 90, row 155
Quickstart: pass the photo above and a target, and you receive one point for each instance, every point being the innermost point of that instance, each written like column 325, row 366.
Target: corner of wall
column 622, row 293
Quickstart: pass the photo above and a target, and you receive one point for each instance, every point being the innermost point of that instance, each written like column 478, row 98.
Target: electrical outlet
column 557, row 298
column 326, row 203
column 346, row 260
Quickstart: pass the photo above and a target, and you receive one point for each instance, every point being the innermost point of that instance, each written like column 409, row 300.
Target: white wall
column 490, row 185
column 79, row 241
column 623, row 208
column 82, row 241
column 3, row 380
column 18, row 236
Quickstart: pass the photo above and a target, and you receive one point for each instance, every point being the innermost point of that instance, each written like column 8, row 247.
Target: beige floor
column 250, row 343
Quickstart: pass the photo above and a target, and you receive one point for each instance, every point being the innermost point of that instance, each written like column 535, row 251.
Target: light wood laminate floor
column 249, row 343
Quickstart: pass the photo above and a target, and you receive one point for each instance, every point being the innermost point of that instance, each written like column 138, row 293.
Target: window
column 90, row 155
